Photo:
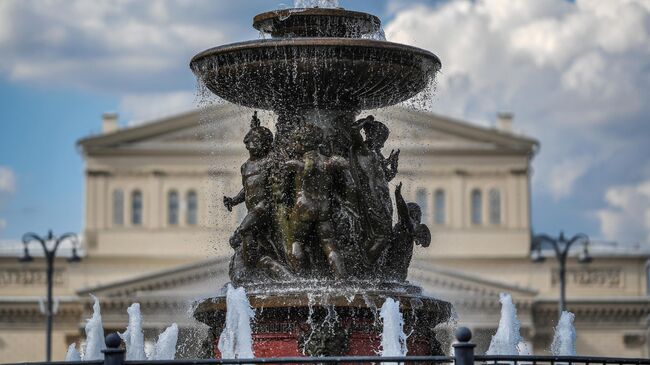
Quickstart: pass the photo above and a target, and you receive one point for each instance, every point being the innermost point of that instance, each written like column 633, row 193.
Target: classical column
column 155, row 200
column 96, row 199
column 458, row 214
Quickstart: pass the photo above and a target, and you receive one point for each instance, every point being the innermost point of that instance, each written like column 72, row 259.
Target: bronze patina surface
column 315, row 73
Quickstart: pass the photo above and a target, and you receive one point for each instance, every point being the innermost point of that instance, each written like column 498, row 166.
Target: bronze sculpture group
column 319, row 206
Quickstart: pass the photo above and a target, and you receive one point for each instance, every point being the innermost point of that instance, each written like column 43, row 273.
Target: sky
column 576, row 75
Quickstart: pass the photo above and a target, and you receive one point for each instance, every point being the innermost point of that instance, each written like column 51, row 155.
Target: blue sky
column 576, row 75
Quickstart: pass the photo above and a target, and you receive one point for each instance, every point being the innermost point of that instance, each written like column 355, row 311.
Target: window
column 118, row 207
column 495, row 206
column 136, row 208
column 172, row 208
column 477, row 207
column 439, row 206
column 421, row 200
column 192, row 208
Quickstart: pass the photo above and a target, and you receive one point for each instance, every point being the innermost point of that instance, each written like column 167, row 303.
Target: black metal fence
column 463, row 355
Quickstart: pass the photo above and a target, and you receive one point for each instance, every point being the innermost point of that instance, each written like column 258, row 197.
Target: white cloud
column 7, row 180
column 627, row 217
column 145, row 107
column 108, row 45
column 3, row 224
column 565, row 174
column 576, row 75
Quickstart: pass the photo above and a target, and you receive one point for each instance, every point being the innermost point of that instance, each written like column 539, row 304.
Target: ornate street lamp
column 561, row 247
column 50, row 255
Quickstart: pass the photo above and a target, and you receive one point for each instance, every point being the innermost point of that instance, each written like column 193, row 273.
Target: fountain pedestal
column 319, row 319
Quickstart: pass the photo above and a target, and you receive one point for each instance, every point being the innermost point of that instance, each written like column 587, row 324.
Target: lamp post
column 561, row 247
column 49, row 254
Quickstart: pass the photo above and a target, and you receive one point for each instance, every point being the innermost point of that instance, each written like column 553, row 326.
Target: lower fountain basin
column 316, row 73
column 330, row 319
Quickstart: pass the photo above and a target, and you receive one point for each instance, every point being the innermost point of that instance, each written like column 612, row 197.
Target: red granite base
column 290, row 323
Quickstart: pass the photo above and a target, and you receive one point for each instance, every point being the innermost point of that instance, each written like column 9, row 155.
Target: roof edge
column 157, row 275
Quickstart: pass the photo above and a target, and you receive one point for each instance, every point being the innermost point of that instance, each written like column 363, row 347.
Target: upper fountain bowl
column 317, row 22
column 315, row 73
column 319, row 58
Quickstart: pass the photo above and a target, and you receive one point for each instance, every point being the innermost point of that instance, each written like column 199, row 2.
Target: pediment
column 189, row 281
column 223, row 127
column 428, row 131
column 451, row 284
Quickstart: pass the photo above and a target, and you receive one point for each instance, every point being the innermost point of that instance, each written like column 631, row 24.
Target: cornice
column 158, row 173
column 597, row 311
column 26, row 313
column 98, row 173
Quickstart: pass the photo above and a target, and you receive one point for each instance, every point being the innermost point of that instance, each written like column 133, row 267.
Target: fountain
column 564, row 340
column 133, row 338
column 506, row 341
column 94, row 334
column 317, row 252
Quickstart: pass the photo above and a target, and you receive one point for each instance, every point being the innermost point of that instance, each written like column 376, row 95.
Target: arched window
column 192, row 208
column 477, row 207
column 421, row 200
column 172, row 208
column 118, row 207
column 439, row 205
column 495, row 206
column 136, row 208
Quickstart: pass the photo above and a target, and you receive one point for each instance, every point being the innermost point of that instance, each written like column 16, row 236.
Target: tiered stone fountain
column 318, row 252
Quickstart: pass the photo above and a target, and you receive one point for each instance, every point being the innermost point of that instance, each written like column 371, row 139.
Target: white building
column 156, row 232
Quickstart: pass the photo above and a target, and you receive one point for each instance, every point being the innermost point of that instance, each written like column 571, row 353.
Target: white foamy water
column 379, row 35
column 236, row 340
column 564, row 340
column 507, row 338
column 134, row 336
column 393, row 338
column 165, row 348
column 524, row 348
column 94, row 335
column 72, row 354
column 315, row 3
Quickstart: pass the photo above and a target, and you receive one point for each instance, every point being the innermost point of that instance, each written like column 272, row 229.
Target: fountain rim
column 313, row 42
column 261, row 18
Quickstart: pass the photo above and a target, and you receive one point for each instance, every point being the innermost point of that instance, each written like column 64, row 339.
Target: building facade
column 156, row 232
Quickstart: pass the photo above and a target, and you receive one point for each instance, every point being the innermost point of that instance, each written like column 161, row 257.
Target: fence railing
column 463, row 355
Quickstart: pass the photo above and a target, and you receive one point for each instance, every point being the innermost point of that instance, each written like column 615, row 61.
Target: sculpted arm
column 402, row 208
column 229, row 203
column 403, row 215
column 390, row 165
